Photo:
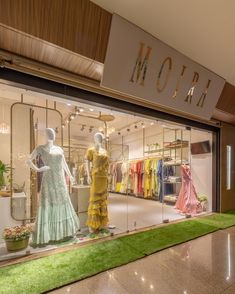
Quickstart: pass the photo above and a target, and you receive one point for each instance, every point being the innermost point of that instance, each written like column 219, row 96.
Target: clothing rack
column 136, row 159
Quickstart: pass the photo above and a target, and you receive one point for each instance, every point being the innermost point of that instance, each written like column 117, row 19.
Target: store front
column 151, row 167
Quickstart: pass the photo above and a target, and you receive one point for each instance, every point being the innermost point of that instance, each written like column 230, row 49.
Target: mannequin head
column 98, row 138
column 50, row 134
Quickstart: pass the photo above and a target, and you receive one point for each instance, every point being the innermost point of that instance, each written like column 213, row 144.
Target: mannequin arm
column 88, row 170
column 30, row 163
column 66, row 169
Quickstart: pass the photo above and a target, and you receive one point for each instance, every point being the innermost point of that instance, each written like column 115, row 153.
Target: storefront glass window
column 76, row 165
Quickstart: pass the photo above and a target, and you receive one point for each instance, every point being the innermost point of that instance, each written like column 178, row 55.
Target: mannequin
column 97, row 171
column 187, row 202
column 56, row 218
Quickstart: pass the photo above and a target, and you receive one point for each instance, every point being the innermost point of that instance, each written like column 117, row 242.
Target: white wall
column 201, row 166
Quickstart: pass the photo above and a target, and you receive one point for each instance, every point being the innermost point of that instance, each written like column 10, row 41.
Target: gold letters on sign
column 139, row 74
column 141, row 65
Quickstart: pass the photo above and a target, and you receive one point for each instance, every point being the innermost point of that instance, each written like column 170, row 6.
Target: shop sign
column 142, row 66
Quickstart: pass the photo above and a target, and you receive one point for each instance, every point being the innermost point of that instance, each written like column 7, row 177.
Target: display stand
column 80, row 200
column 172, row 149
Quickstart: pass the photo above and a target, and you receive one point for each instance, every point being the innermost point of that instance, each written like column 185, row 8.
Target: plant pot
column 16, row 245
column 204, row 205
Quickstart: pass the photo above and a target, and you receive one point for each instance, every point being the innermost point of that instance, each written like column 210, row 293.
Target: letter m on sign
column 141, row 65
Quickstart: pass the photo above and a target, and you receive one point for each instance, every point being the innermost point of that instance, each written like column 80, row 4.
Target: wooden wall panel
column 33, row 48
column 227, row 200
column 77, row 25
column 227, row 99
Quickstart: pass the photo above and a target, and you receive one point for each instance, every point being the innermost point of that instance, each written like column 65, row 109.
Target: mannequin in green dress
column 56, row 218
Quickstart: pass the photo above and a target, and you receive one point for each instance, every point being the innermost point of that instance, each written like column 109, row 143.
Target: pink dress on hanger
column 187, row 200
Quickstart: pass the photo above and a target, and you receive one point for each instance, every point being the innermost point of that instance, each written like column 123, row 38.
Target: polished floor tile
column 103, row 283
column 230, row 290
column 205, row 265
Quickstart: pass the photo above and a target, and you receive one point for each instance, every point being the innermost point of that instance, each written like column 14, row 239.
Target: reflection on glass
column 228, row 257
column 228, row 174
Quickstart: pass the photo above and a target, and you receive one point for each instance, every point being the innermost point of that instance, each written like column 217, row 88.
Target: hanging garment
column 56, row 218
column 97, row 210
column 110, row 177
column 118, row 177
column 132, row 177
column 153, row 177
column 146, row 178
column 139, row 177
column 155, row 182
column 162, row 174
column 142, row 177
column 135, row 191
column 187, row 200
column 114, row 176
column 125, row 174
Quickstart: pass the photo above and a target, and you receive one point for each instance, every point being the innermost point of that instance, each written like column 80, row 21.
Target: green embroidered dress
column 56, row 218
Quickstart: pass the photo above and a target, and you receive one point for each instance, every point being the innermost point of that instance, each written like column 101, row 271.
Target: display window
column 73, row 172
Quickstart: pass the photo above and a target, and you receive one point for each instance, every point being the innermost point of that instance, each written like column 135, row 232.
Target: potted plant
column 203, row 200
column 17, row 238
column 4, row 168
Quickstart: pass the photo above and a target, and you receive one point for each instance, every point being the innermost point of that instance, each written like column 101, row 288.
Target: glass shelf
column 167, row 148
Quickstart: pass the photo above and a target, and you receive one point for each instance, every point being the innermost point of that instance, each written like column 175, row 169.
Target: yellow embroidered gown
column 97, row 210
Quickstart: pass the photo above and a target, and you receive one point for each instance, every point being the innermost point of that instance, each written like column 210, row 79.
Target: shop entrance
column 157, row 170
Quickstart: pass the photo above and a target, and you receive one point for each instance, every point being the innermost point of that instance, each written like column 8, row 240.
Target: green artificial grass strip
column 47, row 273
column 157, row 239
column 221, row 221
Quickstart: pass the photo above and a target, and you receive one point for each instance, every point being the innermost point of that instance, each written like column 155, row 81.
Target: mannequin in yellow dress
column 97, row 163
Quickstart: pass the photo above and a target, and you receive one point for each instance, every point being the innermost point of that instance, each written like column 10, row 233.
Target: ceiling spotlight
column 68, row 104
column 143, row 126
column 152, row 123
column 91, row 109
column 63, row 125
column 67, row 120
column 81, row 109
column 72, row 116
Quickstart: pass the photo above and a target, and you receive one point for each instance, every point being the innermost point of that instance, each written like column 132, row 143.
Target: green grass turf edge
column 54, row 271
column 164, row 237
column 47, row 273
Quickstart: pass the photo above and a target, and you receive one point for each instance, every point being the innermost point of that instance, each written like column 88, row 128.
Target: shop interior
column 158, row 171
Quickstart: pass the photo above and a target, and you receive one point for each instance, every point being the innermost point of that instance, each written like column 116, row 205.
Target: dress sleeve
column 89, row 155
column 61, row 150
